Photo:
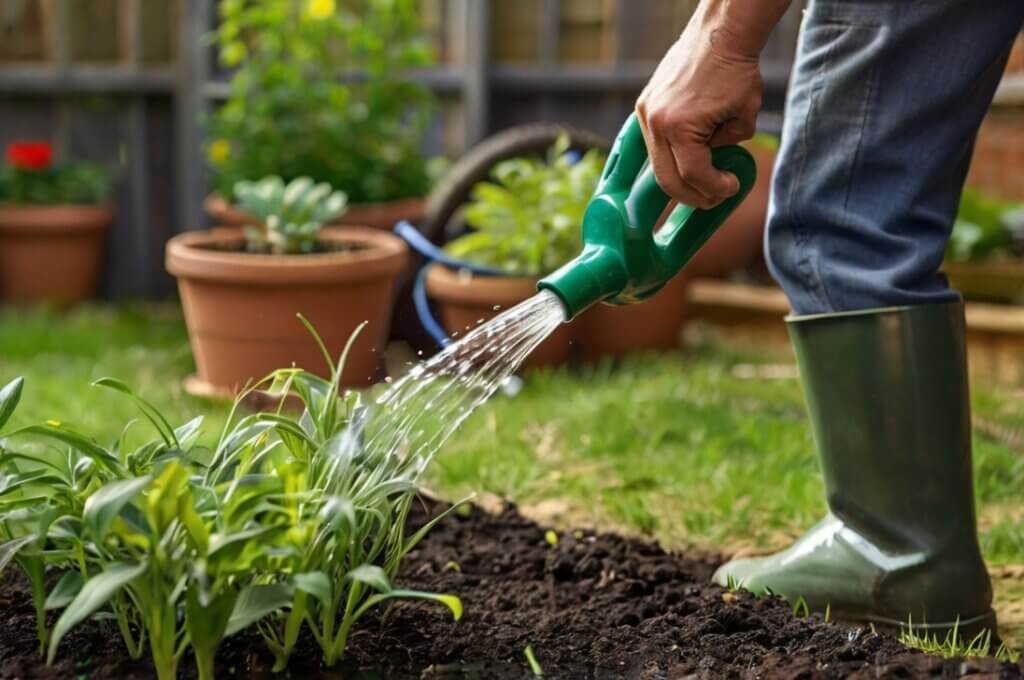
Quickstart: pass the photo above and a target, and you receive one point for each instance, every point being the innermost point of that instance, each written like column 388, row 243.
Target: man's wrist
column 739, row 29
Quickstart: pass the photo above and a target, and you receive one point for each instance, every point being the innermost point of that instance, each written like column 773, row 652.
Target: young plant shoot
column 284, row 522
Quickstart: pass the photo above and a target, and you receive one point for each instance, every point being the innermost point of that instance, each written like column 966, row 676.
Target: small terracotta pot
column 240, row 308
column 738, row 244
column 465, row 299
column 618, row 330
column 377, row 215
column 51, row 253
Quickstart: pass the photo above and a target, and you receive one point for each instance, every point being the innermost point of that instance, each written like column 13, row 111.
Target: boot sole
column 966, row 629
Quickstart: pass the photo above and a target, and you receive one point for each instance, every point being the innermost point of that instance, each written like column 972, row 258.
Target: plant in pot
column 53, row 222
column 242, row 288
column 319, row 90
column 983, row 258
column 525, row 223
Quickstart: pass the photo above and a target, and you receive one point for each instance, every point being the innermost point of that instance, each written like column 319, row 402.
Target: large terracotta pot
column 377, row 215
column 464, row 299
column 51, row 253
column 738, row 244
column 654, row 324
column 240, row 308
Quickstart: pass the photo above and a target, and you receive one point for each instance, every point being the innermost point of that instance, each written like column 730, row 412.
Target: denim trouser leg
column 884, row 106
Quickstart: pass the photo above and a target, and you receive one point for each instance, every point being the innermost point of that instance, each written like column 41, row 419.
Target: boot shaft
column 887, row 394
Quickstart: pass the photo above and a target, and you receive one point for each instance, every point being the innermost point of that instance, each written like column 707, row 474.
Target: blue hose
column 422, row 245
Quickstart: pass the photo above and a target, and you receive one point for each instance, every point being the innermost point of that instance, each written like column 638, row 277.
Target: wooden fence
column 127, row 82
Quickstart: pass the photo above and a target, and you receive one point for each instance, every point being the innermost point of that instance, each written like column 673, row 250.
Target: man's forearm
column 739, row 28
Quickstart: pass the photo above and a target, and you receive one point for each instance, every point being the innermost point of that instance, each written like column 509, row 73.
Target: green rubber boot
column 888, row 401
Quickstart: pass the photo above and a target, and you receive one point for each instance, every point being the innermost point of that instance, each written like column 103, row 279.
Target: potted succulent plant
column 526, row 223
column 53, row 222
column 294, row 108
column 242, row 288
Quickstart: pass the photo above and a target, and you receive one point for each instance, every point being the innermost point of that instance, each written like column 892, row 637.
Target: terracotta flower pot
column 51, row 253
column 240, row 308
column 738, row 244
column 464, row 299
column 654, row 324
column 377, row 215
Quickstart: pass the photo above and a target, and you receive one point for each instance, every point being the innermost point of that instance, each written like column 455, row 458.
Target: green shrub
column 527, row 221
column 983, row 227
column 30, row 176
column 291, row 112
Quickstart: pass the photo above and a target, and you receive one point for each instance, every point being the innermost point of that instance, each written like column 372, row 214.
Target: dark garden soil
column 591, row 606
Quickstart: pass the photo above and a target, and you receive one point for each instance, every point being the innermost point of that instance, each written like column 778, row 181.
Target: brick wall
column 998, row 164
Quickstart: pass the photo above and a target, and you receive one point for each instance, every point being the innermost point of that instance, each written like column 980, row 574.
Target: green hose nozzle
column 623, row 259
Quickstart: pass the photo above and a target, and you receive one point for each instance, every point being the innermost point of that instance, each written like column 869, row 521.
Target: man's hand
column 706, row 92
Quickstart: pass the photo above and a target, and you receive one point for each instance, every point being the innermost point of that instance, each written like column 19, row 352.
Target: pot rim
column 220, row 208
column 53, row 218
column 382, row 255
column 446, row 285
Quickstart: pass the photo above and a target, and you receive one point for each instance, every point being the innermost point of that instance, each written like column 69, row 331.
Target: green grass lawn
column 704, row 448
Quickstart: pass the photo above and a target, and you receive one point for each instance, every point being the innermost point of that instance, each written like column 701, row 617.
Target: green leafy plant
column 30, row 176
column 320, row 89
column 984, row 227
column 291, row 215
column 284, row 522
column 527, row 220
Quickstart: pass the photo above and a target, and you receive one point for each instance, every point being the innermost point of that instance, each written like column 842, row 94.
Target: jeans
column 884, row 105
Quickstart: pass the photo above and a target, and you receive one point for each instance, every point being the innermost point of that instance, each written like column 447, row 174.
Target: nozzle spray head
column 624, row 260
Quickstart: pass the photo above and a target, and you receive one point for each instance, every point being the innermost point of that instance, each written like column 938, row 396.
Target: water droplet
column 389, row 380
column 497, row 307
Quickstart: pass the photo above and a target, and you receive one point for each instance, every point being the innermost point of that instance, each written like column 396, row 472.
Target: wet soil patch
column 590, row 606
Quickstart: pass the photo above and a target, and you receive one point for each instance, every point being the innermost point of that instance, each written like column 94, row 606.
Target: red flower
column 30, row 155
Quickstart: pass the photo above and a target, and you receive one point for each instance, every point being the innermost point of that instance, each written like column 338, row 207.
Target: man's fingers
column 683, row 166
column 732, row 132
column 694, row 168
column 666, row 171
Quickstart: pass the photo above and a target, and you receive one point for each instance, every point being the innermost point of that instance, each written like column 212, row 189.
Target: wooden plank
column 61, row 50
column 982, row 317
column 190, row 106
column 549, row 30
column 138, row 282
column 24, row 29
column 738, row 297
column 476, row 90
column 79, row 79
column 550, row 25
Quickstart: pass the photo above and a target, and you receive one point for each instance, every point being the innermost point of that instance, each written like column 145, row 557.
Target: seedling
column 535, row 667
column 732, row 584
column 286, row 521
column 954, row 645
